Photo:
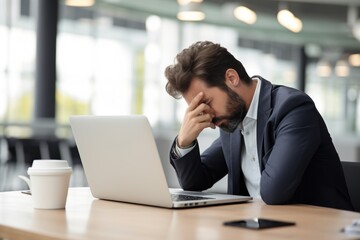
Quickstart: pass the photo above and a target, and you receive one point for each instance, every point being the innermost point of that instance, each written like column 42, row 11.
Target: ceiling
column 325, row 22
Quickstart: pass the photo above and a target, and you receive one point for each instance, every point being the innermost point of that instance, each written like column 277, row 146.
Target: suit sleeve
column 291, row 141
column 197, row 173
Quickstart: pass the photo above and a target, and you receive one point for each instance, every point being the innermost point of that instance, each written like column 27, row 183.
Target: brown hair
column 205, row 60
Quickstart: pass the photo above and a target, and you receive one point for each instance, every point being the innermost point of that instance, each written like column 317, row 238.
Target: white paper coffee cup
column 49, row 180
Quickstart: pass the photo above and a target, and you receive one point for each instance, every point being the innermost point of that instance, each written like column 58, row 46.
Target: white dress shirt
column 249, row 156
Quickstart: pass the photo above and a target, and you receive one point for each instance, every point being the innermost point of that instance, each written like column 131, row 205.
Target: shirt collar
column 252, row 112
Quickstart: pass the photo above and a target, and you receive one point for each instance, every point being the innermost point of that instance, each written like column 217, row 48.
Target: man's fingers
column 202, row 125
column 204, row 117
column 198, row 116
column 196, row 101
column 204, row 109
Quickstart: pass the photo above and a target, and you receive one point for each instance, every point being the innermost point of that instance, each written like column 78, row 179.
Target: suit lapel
column 264, row 109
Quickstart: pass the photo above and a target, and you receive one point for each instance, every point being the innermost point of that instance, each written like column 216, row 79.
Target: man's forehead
column 196, row 86
column 188, row 97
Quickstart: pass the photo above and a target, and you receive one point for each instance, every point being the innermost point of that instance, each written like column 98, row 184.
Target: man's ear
column 232, row 79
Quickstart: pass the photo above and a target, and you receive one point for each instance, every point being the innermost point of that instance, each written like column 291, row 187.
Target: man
column 273, row 143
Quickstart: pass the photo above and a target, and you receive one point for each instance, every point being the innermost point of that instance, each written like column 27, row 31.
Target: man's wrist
column 177, row 152
column 186, row 147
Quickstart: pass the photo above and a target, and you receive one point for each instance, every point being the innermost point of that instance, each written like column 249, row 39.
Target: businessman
column 273, row 142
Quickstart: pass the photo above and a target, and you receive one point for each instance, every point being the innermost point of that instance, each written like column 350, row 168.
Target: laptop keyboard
column 182, row 197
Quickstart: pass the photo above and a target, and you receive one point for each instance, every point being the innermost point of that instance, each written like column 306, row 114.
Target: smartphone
column 258, row 223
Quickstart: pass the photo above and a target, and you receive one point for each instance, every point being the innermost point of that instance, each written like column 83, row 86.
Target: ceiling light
column 79, row 3
column 184, row 2
column 342, row 68
column 323, row 69
column 191, row 16
column 354, row 60
column 245, row 14
column 190, row 12
column 288, row 20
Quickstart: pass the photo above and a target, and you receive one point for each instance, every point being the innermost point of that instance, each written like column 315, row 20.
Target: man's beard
column 236, row 108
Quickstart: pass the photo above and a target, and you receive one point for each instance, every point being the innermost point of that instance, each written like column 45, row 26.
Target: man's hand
column 197, row 117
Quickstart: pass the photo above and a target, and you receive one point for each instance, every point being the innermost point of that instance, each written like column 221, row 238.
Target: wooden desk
column 89, row 218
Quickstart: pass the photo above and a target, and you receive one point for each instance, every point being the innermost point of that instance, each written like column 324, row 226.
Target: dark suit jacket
column 298, row 161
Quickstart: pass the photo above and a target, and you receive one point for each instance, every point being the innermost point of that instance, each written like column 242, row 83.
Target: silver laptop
column 122, row 163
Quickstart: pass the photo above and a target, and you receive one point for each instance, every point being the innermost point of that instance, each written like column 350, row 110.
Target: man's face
column 236, row 112
column 228, row 107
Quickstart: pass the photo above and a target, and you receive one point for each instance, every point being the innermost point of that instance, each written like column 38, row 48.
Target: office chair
column 352, row 177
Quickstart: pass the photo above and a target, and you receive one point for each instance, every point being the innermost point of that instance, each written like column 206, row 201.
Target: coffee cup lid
column 49, row 166
column 51, row 163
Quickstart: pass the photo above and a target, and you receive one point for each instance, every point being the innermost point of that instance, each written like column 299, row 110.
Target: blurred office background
column 110, row 56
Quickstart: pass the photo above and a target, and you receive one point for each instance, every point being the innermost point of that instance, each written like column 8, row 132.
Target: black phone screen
column 258, row 223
